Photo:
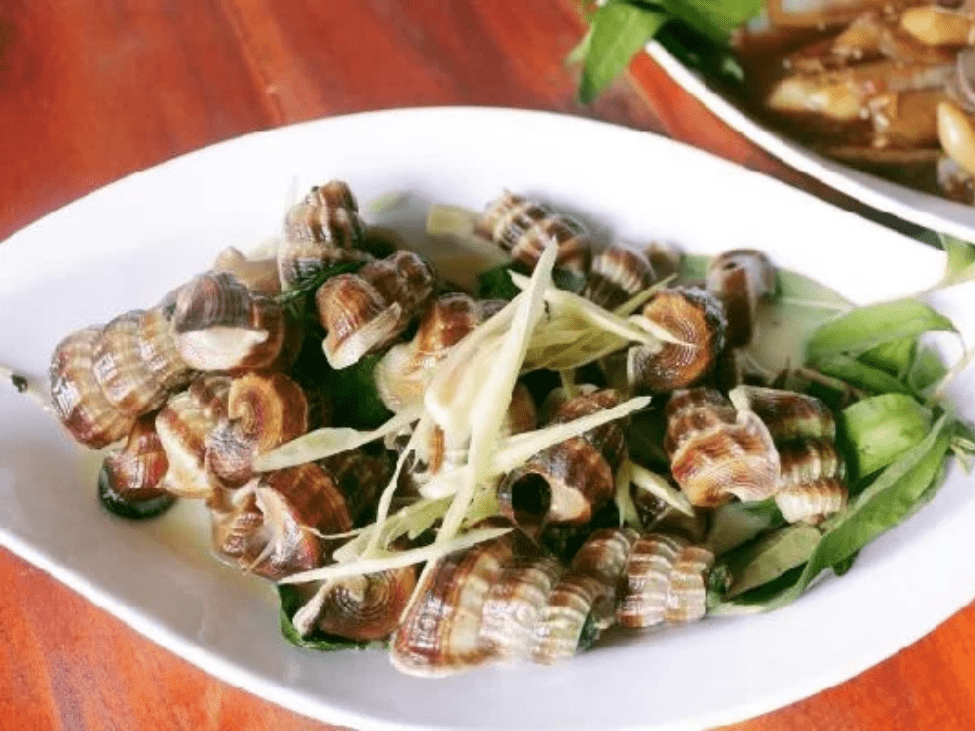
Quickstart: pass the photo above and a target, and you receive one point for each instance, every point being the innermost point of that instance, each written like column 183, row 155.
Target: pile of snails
column 195, row 391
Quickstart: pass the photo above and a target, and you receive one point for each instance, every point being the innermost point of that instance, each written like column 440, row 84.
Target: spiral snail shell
column 263, row 411
column 740, row 279
column 665, row 581
column 258, row 275
column 696, row 318
column 717, row 452
column 567, row 482
column 322, row 230
column 128, row 484
column 360, row 476
column 616, row 275
column 360, row 608
column 523, row 227
column 183, row 425
column 273, row 526
column 365, row 311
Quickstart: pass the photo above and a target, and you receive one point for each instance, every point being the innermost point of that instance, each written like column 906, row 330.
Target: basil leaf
column 497, row 284
column 355, row 399
column 714, row 19
column 914, row 364
column 619, row 30
column 960, row 266
column 861, row 375
column 867, row 327
column 290, row 603
column 880, row 428
column 846, row 564
column 769, row 557
column 737, row 523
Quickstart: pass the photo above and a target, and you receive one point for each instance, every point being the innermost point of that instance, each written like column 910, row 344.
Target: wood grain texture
column 90, row 92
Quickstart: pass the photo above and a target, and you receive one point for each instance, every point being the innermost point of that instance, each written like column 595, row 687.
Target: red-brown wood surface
column 90, row 91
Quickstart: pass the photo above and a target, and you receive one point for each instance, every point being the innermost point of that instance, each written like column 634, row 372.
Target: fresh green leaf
column 497, row 284
column 860, row 375
column 737, row 523
column 355, row 400
column 769, row 557
column 914, row 364
column 880, row 428
column 841, row 567
column 960, row 266
column 809, row 294
column 619, row 30
column 866, row 327
column 290, row 603
column 715, row 19
column 776, row 593
column 578, row 54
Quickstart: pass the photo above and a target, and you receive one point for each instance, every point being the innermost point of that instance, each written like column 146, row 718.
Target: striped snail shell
column 717, row 453
column 322, row 230
column 568, row 481
column 182, row 426
column 273, row 525
column 360, row 476
column 365, row 311
column 362, row 608
column 740, row 279
column 221, row 325
column 583, row 602
column 787, row 415
column 258, row 275
column 523, row 228
column 404, row 372
column 263, row 412
column 440, row 631
column 696, row 318
column 665, row 580
column 616, row 275
column 128, row 483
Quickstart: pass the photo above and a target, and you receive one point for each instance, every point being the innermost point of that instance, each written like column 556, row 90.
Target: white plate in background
column 125, row 245
column 930, row 211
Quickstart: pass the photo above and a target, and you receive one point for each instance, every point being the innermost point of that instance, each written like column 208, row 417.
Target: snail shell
column 365, row 311
column 404, row 372
column 514, row 605
column 583, row 603
column 183, row 425
column 567, row 482
column 361, row 608
column 812, row 485
column 360, row 476
column 695, row 317
column 740, row 279
column 324, row 229
column 523, row 228
column 664, row 258
column 263, row 412
column 714, row 456
column 787, row 415
column 129, row 480
column 76, row 396
column 258, row 275
column 665, row 581
column 616, row 275
column 264, row 527
column 221, row 325
column 440, row 631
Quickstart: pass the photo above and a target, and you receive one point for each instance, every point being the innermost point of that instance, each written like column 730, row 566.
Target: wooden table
column 92, row 91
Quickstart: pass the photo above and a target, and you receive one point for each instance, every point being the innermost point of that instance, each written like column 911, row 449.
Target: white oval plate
column 125, row 245
column 924, row 209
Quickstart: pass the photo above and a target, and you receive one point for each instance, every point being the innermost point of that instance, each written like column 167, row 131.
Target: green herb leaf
column 497, row 284
column 846, row 564
column 960, row 266
column 769, row 557
column 737, row 523
column 880, row 428
column 355, row 400
column 866, row 327
column 290, row 603
column 912, row 363
column 714, row 19
column 619, row 30
column 860, row 375
column 311, row 285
